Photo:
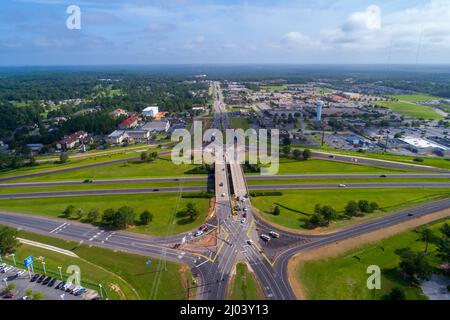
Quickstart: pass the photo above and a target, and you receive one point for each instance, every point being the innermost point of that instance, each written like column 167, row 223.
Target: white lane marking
column 58, row 227
column 202, row 263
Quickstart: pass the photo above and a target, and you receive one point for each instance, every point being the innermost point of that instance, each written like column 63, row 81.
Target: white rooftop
column 422, row 143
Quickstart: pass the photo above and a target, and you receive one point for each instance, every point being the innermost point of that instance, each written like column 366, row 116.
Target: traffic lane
column 109, row 181
column 56, row 194
column 405, row 215
column 348, row 186
column 374, row 162
column 92, row 165
column 281, row 264
column 359, row 176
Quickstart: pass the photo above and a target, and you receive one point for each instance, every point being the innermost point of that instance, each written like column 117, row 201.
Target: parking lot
column 50, row 287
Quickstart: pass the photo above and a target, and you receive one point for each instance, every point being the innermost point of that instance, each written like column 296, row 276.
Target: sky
column 123, row 32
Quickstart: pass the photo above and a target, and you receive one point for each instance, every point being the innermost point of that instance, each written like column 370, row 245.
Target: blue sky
column 33, row 32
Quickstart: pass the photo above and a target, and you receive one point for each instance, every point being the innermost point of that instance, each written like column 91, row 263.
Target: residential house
column 118, row 113
column 117, row 137
column 138, row 135
column 131, row 122
column 69, row 142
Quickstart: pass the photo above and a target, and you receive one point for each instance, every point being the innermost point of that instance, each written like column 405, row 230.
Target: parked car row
column 62, row 285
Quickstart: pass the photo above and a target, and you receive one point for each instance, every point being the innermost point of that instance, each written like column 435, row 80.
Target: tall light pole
column 43, row 267
column 100, row 288
column 14, row 259
column 60, row 273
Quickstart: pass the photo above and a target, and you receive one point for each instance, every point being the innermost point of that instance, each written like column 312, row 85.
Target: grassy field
column 296, row 204
column 109, row 186
column 344, row 277
column 75, row 162
column 162, row 206
column 291, row 166
column 240, row 123
column 243, row 285
column 273, row 88
column 427, row 161
column 342, row 180
column 322, row 90
column 161, row 167
column 411, row 110
column 129, row 272
column 414, row 97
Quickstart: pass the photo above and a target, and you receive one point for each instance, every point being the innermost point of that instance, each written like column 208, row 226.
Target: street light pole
column 60, row 273
column 100, row 287
column 43, row 267
column 14, row 259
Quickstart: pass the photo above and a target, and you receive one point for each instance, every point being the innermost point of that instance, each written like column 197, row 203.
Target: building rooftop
column 422, row 143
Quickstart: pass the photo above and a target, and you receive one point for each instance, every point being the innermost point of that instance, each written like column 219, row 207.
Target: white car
column 245, row 209
column 198, row 233
column 342, row 185
column 20, row 273
column 243, row 220
column 249, row 242
column 274, row 234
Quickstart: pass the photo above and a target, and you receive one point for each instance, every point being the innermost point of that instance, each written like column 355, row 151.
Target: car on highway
column 331, row 157
column 383, row 176
column 198, row 233
column 341, row 185
column 274, row 234
column 155, row 190
column 88, row 181
column 265, row 237
column 410, row 214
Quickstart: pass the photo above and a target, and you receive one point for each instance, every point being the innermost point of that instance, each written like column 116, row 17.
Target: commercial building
column 117, row 137
column 421, row 145
column 151, row 111
column 157, row 126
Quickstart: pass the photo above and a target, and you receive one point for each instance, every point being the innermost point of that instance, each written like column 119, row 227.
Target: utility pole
column 323, row 133
column 387, row 138
column 188, row 289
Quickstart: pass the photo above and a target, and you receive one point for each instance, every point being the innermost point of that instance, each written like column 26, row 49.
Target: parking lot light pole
column 6, row 282
column 43, row 267
column 14, row 259
column 60, row 273
column 100, row 287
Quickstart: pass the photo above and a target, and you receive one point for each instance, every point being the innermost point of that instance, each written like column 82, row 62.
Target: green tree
column 297, row 154
column 396, row 294
column 414, row 264
column 307, row 154
column 286, row 150
column 328, row 213
column 144, row 156
column 276, row 211
column 191, row 211
column 93, row 215
column 315, row 221
column 69, row 211
column 446, row 230
column 374, row 206
column 8, row 240
column 38, row 296
column 364, row 206
column 145, row 218
column 351, row 209
column 78, row 213
column 10, row 287
column 63, row 158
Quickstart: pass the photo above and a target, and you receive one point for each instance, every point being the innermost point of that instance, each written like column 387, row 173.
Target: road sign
column 148, row 262
column 28, row 261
